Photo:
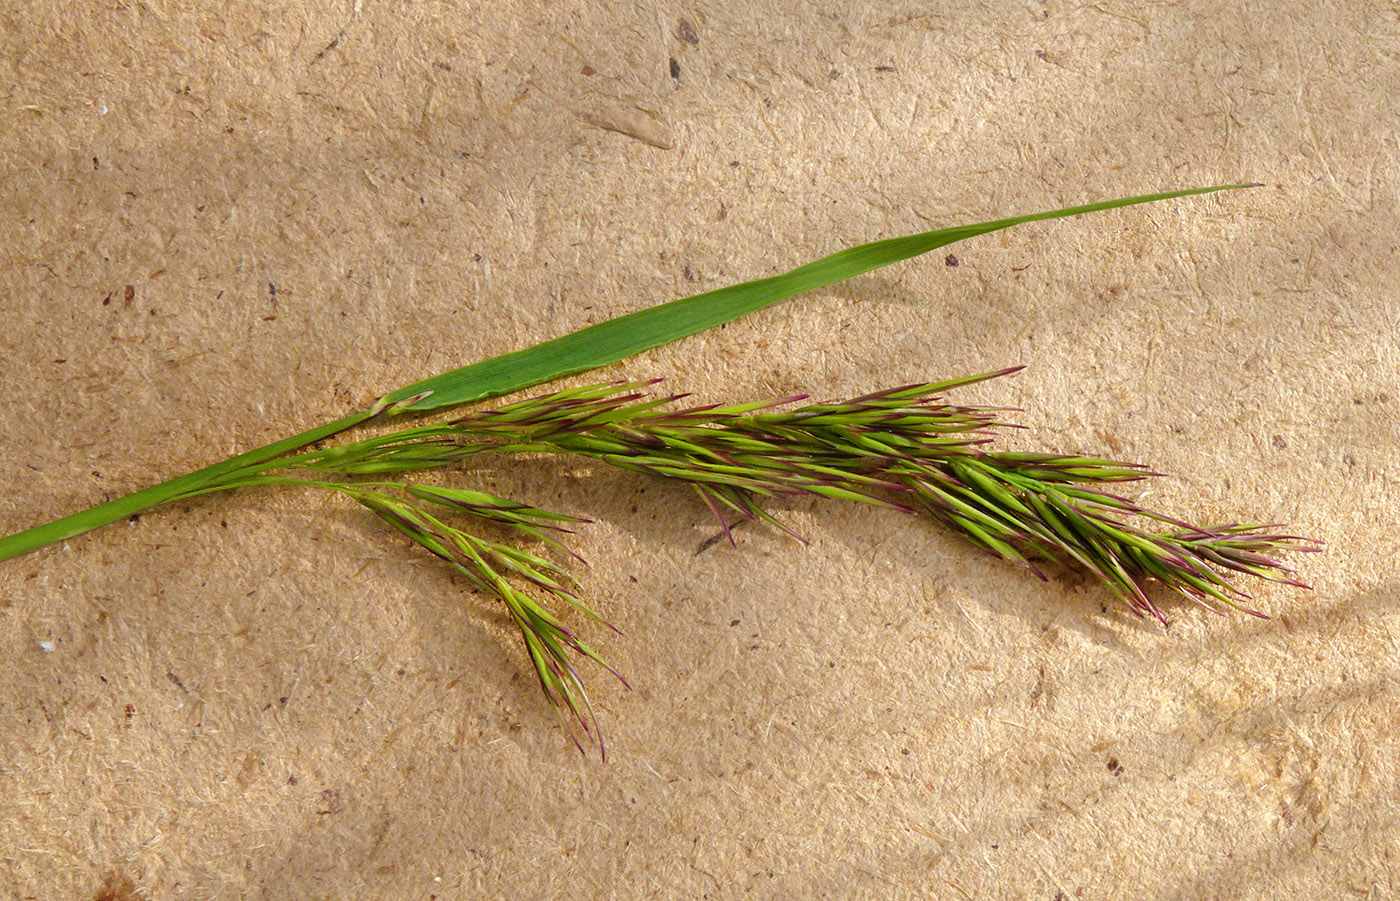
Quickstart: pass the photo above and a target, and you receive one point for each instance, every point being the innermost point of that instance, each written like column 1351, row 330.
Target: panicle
column 904, row 448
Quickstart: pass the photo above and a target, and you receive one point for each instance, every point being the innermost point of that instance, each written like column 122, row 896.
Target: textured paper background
column 221, row 226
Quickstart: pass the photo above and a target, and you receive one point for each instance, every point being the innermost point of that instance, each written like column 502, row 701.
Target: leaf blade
column 616, row 339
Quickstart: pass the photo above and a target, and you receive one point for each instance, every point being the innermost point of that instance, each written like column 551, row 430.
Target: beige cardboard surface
column 225, row 225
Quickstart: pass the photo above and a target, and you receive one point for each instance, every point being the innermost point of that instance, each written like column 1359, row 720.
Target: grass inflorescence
column 905, row 448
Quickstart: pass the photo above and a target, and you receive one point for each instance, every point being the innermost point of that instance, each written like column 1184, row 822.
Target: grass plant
column 906, row 448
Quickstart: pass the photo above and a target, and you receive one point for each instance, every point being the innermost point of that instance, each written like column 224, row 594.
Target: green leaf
column 622, row 337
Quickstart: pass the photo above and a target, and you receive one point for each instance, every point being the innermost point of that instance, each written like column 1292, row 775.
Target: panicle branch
column 496, row 569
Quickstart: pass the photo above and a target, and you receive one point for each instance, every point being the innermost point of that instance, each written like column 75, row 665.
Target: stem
column 342, row 452
column 200, row 480
column 350, row 489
